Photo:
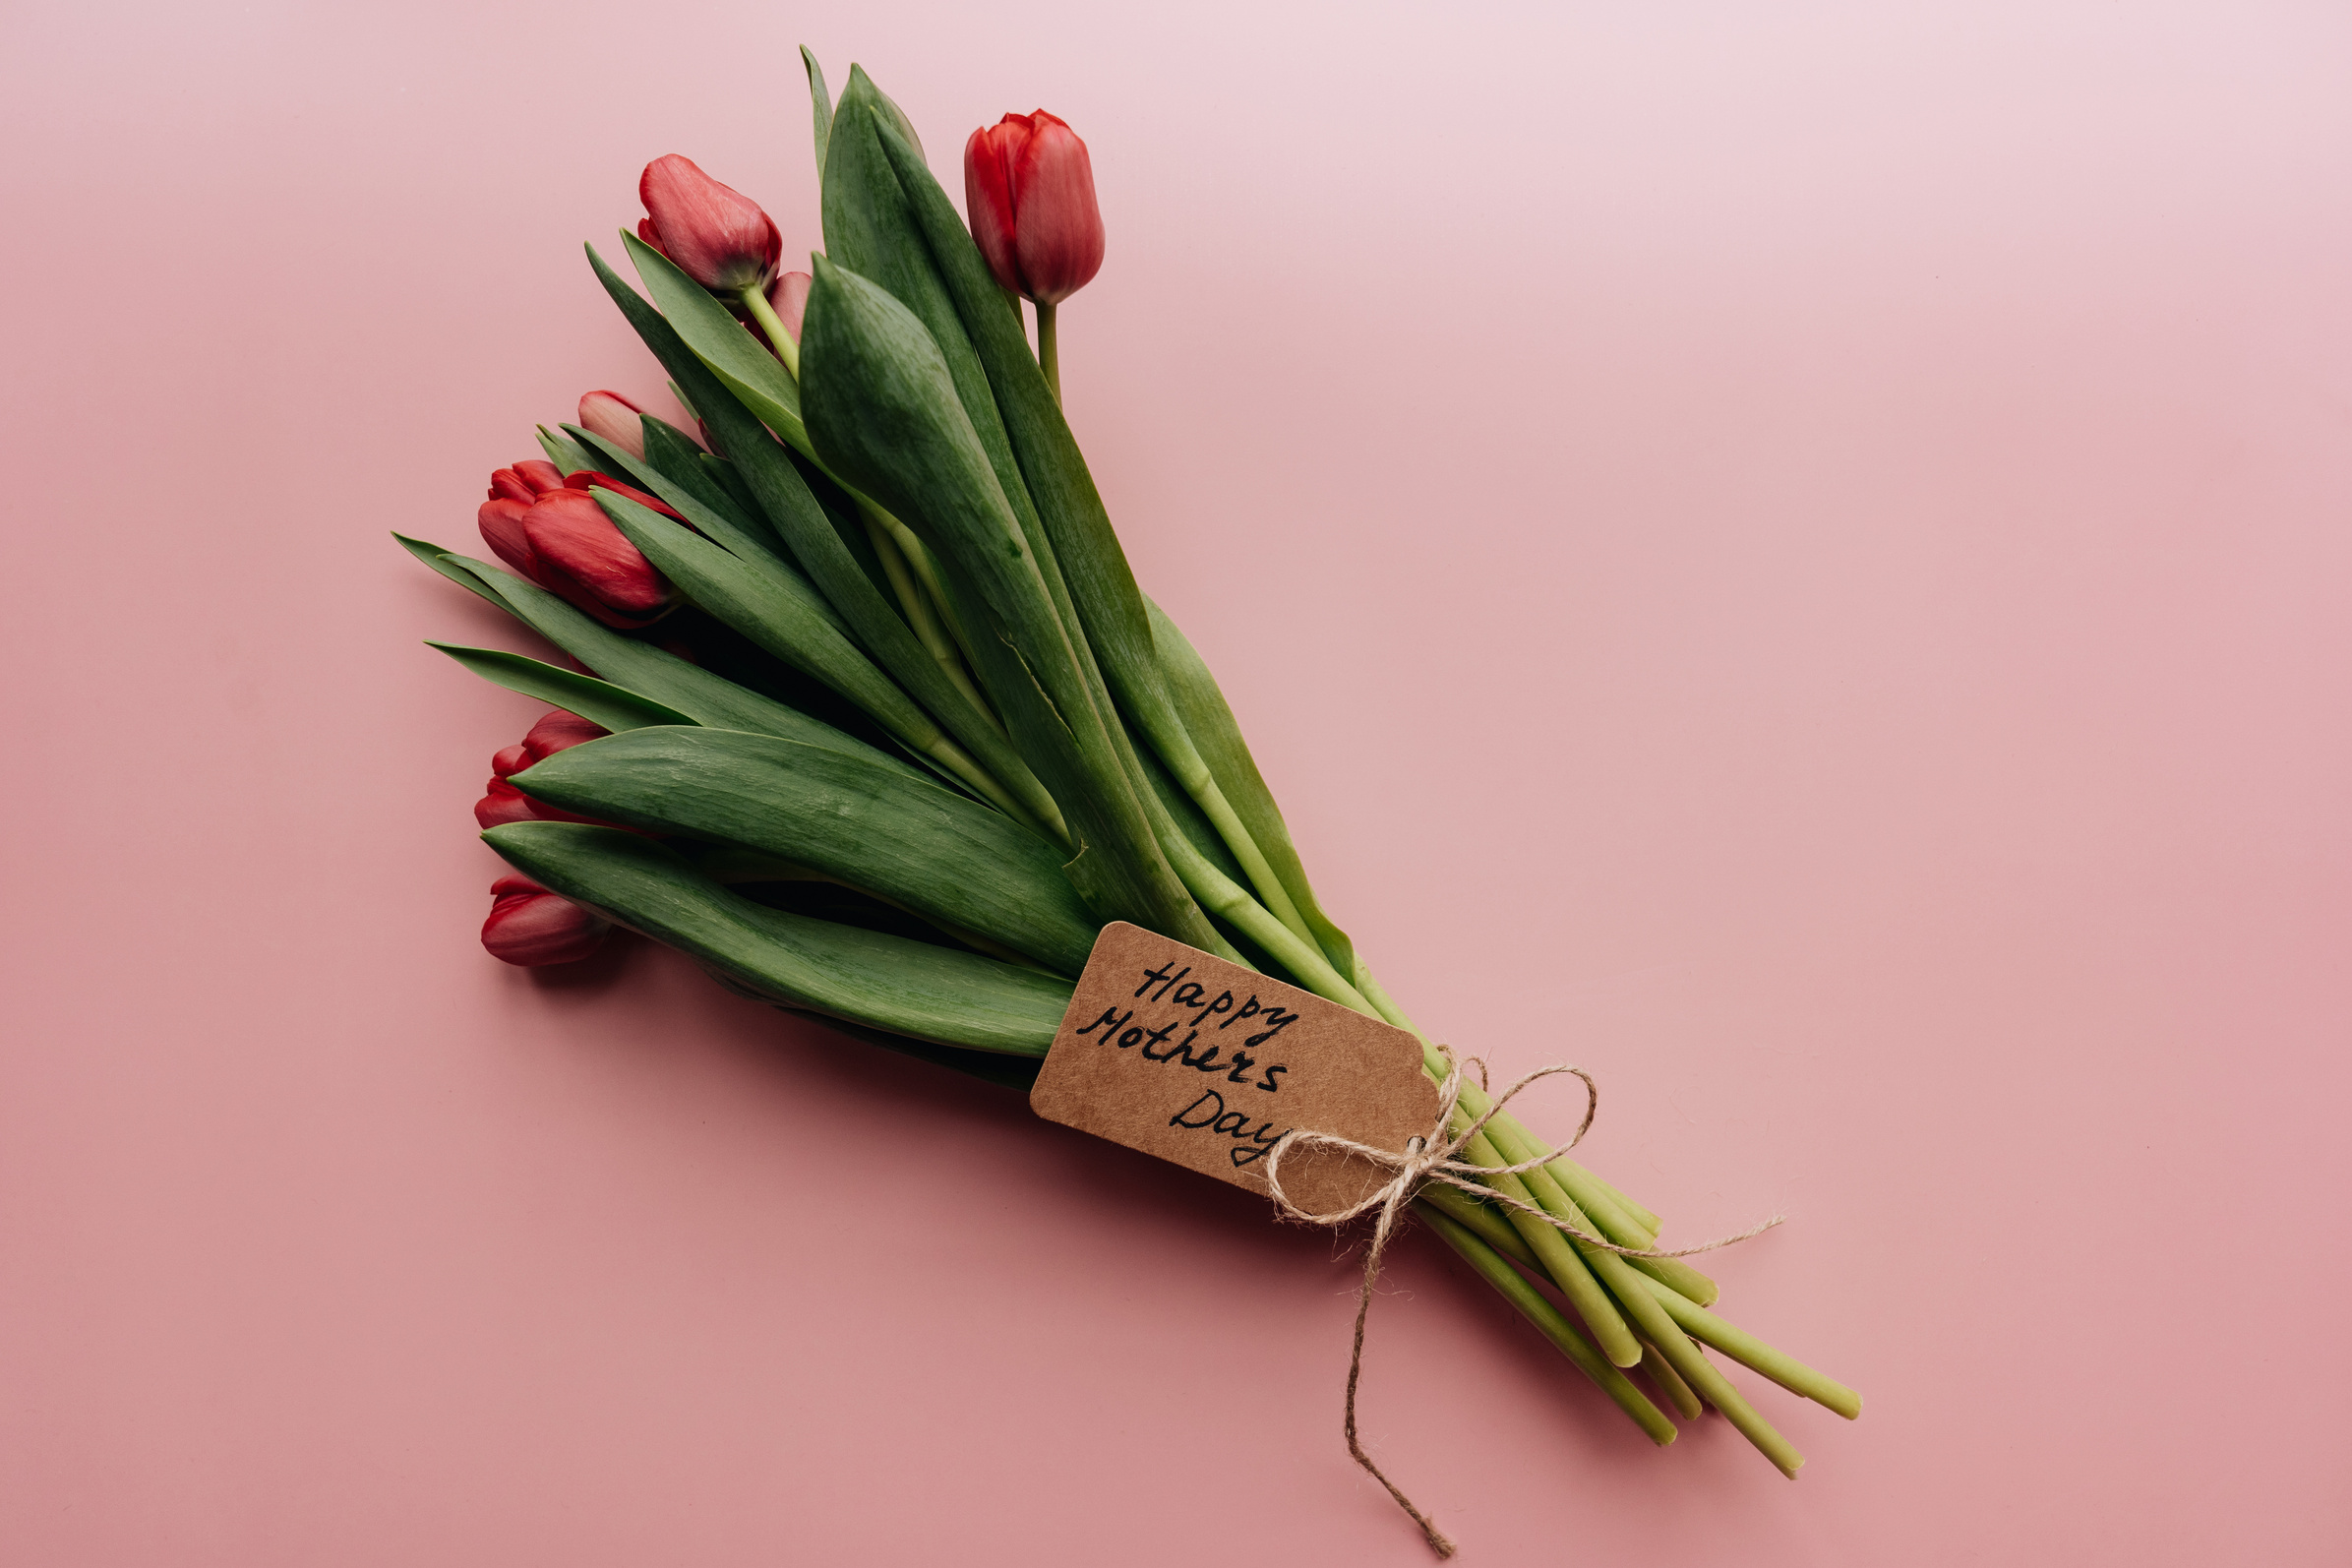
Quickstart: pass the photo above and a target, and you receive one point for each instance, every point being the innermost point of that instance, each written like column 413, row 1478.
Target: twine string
column 1433, row 1159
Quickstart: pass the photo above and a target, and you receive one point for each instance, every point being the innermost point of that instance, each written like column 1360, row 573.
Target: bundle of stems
column 935, row 736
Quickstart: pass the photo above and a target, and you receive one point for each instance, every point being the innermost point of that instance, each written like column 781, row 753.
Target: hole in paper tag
column 1204, row 1064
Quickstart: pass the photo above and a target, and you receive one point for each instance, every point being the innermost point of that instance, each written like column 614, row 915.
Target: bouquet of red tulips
column 868, row 716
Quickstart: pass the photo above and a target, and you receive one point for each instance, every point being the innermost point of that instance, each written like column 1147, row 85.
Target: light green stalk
column 883, row 532
column 1048, row 349
column 1550, row 1322
column 1758, row 1357
column 788, row 348
column 1669, row 1383
column 1558, row 1259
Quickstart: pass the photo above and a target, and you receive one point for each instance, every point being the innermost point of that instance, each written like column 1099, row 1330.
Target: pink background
column 1795, row 556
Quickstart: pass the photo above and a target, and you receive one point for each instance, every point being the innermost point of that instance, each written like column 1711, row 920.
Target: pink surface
column 1794, row 556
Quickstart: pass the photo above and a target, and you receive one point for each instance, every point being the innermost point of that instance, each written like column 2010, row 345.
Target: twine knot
column 1434, row 1158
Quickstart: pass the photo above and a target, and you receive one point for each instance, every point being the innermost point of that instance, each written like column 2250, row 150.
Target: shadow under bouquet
column 871, row 718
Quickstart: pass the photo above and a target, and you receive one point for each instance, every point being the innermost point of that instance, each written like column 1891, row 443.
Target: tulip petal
column 500, row 523
column 718, row 237
column 1058, row 230
column 585, row 560
column 503, row 803
column 536, row 929
column 988, row 197
column 541, row 476
column 558, row 731
column 616, row 419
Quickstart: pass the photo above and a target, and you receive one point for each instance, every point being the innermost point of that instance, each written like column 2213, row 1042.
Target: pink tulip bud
column 718, row 237
column 615, row 418
column 1029, row 188
column 532, row 927
column 788, row 297
column 564, row 543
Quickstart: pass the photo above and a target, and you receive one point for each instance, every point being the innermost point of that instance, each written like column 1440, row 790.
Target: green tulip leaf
column 677, row 457
column 821, row 105
column 1082, row 543
column 885, row 416
column 784, row 498
column 563, row 452
column 888, row 983
column 740, row 361
column 710, row 522
column 1211, row 723
column 446, row 564
column 615, row 707
column 640, row 667
column 914, row 844
column 774, row 607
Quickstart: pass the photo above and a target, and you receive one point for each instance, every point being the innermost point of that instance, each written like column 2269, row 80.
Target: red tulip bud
column 1030, row 190
column 564, row 543
column 525, row 482
column 555, row 732
column 530, row 925
column 718, row 237
column 615, row 418
column 788, row 297
column 590, row 479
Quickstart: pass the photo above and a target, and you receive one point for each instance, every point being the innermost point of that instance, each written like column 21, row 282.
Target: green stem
column 1551, row 1323
column 1669, row 1383
column 1174, row 744
column 879, row 530
column 1610, row 1219
column 926, row 572
column 1048, row 349
column 1484, row 1219
column 755, row 300
column 1758, row 1357
column 1560, row 1260
column 1632, row 1291
column 1221, row 895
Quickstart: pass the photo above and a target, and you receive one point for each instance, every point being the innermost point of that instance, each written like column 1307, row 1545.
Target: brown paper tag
column 1176, row 1052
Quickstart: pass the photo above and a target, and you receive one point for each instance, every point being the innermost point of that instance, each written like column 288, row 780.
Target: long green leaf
column 615, row 707
column 885, row 415
column 1213, row 727
column 914, row 844
column 644, row 668
column 809, row 532
column 775, row 608
column 888, row 983
column 708, row 521
column 1080, row 540
column 740, row 361
column 676, row 457
column 821, row 105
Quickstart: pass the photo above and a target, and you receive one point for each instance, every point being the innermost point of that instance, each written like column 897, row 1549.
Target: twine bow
column 1433, row 1159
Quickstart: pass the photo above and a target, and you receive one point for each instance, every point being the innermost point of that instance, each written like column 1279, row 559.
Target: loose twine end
column 1432, row 1159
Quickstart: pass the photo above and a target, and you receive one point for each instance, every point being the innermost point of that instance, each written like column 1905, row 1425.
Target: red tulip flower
column 556, row 731
column 616, row 419
column 718, row 237
column 1030, row 190
column 525, row 482
column 560, row 539
column 530, row 925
